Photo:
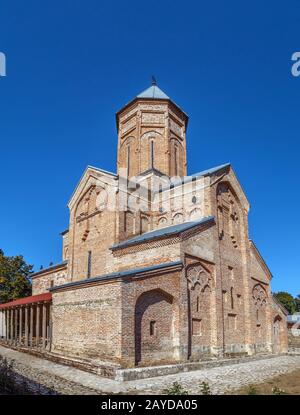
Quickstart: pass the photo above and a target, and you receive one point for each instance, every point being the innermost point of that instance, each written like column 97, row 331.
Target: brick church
column 157, row 266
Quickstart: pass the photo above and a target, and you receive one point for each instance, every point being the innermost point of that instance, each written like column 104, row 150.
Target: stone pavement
column 68, row 380
column 224, row 379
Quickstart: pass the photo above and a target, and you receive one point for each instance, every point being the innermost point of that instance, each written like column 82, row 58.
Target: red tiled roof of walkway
column 27, row 300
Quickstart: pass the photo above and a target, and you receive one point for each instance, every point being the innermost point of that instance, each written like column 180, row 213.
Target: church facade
column 157, row 266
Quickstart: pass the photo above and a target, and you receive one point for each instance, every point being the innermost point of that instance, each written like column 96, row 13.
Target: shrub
column 252, row 390
column 278, row 391
column 205, row 389
column 175, row 389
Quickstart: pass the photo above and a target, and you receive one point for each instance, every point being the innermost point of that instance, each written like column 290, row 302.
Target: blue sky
column 71, row 65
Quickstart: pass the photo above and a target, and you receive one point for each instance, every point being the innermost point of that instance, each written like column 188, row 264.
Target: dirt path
column 288, row 383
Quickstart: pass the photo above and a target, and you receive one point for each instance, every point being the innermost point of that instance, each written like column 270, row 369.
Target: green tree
column 287, row 300
column 14, row 277
column 297, row 301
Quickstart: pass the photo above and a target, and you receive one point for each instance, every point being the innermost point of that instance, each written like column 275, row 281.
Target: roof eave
column 64, row 232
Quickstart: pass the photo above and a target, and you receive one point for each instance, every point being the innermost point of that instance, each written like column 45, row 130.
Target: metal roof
column 211, row 171
column 188, row 179
column 101, row 170
column 153, row 92
column 27, row 300
column 115, row 275
column 64, row 232
column 158, row 233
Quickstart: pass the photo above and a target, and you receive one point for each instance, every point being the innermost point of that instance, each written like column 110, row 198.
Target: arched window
column 152, row 328
column 144, row 224
column 176, row 153
column 128, row 160
column 228, row 214
column 126, row 154
column 176, row 160
column 151, row 154
column 162, row 222
column 231, row 298
column 195, row 213
column 89, row 265
column 129, row 223
column 178, row 218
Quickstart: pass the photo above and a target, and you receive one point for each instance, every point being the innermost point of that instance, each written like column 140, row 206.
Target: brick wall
column 147, row 254
column 156, row 299
column 220, row 302
column 42, row 283
column 87, row 322
column 147, row 121
column 92, row 231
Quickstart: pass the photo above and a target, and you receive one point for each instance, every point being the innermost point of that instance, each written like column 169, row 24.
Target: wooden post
column 50, row 327
column 1, row 324
column 26, row 326
column 7, row 324
column 37, row 329
column 5, row 331
column 16, row 325
column 20, row 325
column 11, row 325
column 44, row 329
column 31, row 327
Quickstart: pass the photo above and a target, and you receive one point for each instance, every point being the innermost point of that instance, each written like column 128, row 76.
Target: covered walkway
column 27, row 322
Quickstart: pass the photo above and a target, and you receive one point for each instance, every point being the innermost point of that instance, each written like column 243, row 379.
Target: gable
column 258, row 268
column 92, row 177
column 201, row 244
column 230, row 177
